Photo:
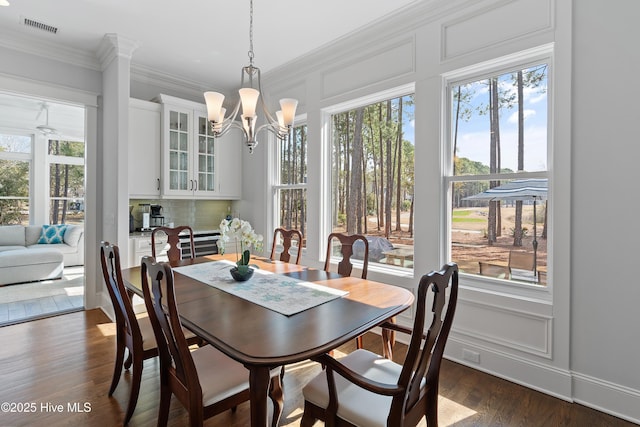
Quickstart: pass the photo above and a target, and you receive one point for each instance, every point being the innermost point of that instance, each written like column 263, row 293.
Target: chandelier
column 250, row 90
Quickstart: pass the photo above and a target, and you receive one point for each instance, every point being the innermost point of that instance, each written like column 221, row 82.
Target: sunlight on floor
column 107, row 329
column 452, row 412
column 73, row 291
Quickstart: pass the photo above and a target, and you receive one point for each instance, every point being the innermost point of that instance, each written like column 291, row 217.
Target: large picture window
column 372, row 178
column 497, row 176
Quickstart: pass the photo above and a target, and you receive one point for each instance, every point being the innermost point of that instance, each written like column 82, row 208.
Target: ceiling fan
column 45, row 129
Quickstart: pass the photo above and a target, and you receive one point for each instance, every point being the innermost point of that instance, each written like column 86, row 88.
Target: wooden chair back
column 122, row 307
column 129, row 333
column 175, row 358
column 426, row 349
column 288, row 236
column 345, row 266
column 174, row 253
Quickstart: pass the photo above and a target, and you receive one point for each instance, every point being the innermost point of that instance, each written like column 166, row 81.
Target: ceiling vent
column 40, row 26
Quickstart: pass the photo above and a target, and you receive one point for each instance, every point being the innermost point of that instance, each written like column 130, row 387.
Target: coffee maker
column 144, row 209
column 157, row 220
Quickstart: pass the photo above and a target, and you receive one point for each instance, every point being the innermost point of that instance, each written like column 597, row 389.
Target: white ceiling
column 204, row 43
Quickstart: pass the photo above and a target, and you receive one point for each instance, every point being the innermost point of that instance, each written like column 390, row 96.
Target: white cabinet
column 144, row 149
column 194, row 163
column 140, row 246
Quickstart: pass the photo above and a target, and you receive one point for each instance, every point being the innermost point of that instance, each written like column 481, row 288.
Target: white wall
column 605, row 319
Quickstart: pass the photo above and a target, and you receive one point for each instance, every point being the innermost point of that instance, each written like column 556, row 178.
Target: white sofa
column 23, row 259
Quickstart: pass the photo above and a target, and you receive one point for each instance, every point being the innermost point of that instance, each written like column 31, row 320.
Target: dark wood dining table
column 262, row 339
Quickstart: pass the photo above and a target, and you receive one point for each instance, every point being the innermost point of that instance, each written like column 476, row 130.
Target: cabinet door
column 205, row 153
column 229, row 156
column 144, row 149
column 177, row 152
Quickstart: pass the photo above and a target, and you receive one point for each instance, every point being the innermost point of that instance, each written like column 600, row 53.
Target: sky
column 474, row 133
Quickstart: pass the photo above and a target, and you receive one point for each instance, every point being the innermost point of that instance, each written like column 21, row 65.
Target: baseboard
column 537, row 376
column 614, row 399
column 104, row 304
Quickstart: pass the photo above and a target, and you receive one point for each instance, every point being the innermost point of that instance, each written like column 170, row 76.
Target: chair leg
column 432, row 407
column 129, row 361
column 277, row 397
column 117, row 369
column 165, row 405
column 359, row 342
column 135, row 389
column 307, row 420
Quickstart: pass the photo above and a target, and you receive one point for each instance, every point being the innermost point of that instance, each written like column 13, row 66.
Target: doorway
column 42, row 181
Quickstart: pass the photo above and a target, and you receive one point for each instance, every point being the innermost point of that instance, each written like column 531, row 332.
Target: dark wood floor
column 67, row 360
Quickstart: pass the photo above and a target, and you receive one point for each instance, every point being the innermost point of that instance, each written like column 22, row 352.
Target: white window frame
column 326, row 226
column 276, row 185
column 520, row 60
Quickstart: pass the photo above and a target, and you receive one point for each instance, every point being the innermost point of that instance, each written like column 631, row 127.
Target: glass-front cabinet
column 191, row 155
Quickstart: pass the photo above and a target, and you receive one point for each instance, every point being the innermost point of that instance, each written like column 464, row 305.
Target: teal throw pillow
column 52, row 234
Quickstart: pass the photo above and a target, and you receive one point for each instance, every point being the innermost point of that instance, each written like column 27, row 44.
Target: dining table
column 262, row 338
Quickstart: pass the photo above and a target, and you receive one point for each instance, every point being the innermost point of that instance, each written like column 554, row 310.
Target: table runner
column 282, row 294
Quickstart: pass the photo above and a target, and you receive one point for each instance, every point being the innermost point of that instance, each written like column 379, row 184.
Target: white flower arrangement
column 239, row 231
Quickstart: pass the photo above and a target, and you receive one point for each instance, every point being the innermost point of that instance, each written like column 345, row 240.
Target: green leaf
column 245, row 257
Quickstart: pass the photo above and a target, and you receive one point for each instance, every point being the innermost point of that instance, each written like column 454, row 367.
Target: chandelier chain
column 250, row 53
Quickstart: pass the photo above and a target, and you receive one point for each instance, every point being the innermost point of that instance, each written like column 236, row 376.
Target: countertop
column 195, row 233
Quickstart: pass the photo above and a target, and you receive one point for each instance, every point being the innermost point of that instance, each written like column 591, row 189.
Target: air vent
column 40, row 26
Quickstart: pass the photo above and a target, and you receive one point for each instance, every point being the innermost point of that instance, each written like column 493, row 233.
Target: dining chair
column 134, row 332
column 370, row 390
column 288, row 236
column 345, row 266
column 205, row 380
column 174, row 253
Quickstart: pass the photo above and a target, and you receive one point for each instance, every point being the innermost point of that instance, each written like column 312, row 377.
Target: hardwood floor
column 60, row 369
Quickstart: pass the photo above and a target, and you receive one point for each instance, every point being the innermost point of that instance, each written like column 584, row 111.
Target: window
column 372, row 177
column 66, row 182
column 291, row 181
column 15, row 165
column 497, row 174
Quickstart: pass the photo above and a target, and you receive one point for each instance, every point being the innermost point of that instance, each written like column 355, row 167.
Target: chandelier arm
column 268, row 117
column 279, row 132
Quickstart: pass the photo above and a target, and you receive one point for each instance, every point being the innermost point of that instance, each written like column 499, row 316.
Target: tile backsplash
column 199, row 214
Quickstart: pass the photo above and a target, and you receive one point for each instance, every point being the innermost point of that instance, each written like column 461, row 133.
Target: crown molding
column 54, row 51
column 149, row 76
column 114, row 45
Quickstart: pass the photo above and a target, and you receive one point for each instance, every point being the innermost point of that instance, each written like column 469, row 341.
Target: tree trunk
column 389, row 175
column 381, row 217
column 517, row 232
column 347, row 168
column 493, row 157
column 303, row 195
column 399, row 174
column 354, row 204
